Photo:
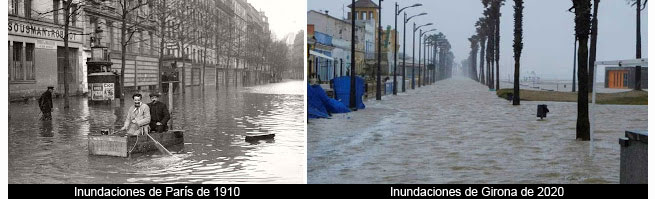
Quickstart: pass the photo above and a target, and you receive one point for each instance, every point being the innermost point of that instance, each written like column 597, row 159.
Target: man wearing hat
column 45, row 103
column 159, row 114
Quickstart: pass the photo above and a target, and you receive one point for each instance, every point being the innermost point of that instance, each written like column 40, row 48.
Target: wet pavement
column 214, row 150
column 457, row 131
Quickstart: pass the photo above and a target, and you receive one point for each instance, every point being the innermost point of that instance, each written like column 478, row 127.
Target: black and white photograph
column 155, row 91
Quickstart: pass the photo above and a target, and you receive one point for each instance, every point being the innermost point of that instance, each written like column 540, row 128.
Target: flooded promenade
column 456, row 131
column 214, row 149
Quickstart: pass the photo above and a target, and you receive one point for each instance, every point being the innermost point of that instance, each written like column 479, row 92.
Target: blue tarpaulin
column 342, row 90
column 319, row 105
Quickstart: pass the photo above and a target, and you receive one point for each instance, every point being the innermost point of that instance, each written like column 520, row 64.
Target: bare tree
column 163, row 13
column 71, row 11
column 133, row 16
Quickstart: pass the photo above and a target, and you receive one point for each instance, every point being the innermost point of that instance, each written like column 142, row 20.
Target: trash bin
column 634, row 158
column 542, row 110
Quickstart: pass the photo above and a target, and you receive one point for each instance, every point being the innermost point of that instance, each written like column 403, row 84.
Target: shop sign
column 40, row 31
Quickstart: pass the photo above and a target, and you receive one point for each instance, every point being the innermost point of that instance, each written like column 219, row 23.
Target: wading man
column 159, row 114
column 45, row 103
column 138, row 117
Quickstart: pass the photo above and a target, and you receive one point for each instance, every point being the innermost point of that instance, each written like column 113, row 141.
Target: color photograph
column 477, row 92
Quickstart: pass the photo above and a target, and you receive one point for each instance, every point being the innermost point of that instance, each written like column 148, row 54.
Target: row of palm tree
column 586, row 33
column 488, row 37
column 442, row 57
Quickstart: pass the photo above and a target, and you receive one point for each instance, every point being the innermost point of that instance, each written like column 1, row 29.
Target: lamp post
column 404, row 43
column 353, row 105
column 378, row 93
column 420, row 38
column 395, row 49
column 413, row 48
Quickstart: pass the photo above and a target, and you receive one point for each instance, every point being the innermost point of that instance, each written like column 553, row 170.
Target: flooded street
column 456, row 131
column 214, row 149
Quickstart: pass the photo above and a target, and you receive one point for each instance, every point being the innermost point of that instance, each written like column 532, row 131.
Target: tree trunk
column 582, row 23
column 592, row 46
column 638, row 68
column 204, row 64
column 162, row 29
column 490, row 54
column 218, row 60
column 497, row 40
column 66, row 51
column 518, row 47
column 575, row 59
column 123, row 47
column 482, row 50
column 475, row 65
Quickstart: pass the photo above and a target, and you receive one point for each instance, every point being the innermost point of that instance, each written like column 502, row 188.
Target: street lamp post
column 353, row 105
column 413, row 49
column 378, row 93
column 420, row 32
column 395, row 49
column 426, row 73
column 404, row 43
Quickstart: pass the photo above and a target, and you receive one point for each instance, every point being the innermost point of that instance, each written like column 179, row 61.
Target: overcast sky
column 548, row 30
column 283, row 18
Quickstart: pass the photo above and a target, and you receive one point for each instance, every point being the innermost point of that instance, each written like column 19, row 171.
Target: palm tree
column 474, row 52
column 490, row 49
column 496, row 7
column 480, row 29
column 592, row 46
column 640, row 7
column 518, row 46
column 582, row 28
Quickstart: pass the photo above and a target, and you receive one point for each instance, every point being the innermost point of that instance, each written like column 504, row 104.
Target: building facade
column 221, row 39
column 36, row 50
column 624, row 77
column 337, row 59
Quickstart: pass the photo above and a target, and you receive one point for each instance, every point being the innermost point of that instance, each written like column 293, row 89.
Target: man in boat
column 45, row 103
column 138, row 117
column 159, row 114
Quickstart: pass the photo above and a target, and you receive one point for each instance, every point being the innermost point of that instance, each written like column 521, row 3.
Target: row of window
column 22, row 66
column 362, row 15
column 24, row 8
column 21, row 63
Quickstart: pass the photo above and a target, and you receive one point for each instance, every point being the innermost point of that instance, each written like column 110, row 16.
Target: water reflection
column 215, row 121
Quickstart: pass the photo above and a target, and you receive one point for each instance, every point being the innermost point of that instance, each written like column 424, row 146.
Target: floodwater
column 457, row 131
column 214, row 150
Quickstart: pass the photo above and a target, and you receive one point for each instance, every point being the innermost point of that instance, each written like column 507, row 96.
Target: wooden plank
column 259, row 136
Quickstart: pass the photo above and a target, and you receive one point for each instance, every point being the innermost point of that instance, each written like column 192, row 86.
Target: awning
column 311, row 52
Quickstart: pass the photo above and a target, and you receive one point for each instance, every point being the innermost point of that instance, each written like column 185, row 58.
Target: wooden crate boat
column 122, row 145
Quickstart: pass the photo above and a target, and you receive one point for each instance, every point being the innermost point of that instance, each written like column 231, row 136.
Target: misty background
column 284, row 20
column 548, row 29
